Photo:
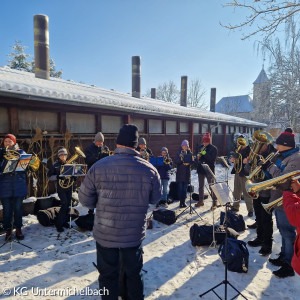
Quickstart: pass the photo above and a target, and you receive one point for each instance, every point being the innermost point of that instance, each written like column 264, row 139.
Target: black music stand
column 225, row 281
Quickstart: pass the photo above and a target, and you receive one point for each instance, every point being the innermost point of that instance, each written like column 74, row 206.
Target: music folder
column 222, row 192
column 156, row 161
column 76, row 170
column 17, row 165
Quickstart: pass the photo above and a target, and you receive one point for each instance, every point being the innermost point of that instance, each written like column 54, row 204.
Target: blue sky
column 93, row 41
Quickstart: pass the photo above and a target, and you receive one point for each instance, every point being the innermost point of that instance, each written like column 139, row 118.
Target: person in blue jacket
column 13, row 189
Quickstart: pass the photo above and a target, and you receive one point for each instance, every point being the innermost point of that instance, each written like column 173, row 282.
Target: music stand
column 225, row 281
column 223, row 161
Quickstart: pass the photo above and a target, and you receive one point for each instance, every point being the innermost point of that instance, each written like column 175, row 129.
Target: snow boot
column 19, row 234
column 285, row 271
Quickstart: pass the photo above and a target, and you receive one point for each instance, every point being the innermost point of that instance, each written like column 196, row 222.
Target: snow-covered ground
column 174, row 269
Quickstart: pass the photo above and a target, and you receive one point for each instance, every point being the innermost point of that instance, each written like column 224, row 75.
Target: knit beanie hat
column 142, row 141
column 164, row 149
column 206, row 138
column 99, row 137
column 287, row 138
column 128, row 136
column 12, row 137
column 185, row 143
column 62, row 151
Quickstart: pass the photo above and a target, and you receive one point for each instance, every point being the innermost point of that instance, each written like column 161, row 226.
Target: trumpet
column 167, row 160
column 107, row 151
column 144, row 154
column 258, row 168
column 254, row 188
column 199, row 153
column 68, row 182
column 269, row 206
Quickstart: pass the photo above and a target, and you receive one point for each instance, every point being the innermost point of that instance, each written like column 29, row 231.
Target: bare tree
column 168, row 92
column 264, row 15
column 284, row 74
column 196, row 93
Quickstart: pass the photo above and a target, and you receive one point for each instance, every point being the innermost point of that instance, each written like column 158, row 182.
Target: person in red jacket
column 291, row 204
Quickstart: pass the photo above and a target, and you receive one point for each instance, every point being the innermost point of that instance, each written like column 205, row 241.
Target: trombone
column 254, row 188
column 269, row 206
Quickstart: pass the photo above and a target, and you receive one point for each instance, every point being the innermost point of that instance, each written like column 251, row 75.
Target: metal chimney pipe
column 213, row 92
column 136, row 76
column 41, row 46
column 183, row 91
column 153, row 93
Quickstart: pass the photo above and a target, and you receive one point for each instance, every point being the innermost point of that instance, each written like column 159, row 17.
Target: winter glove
column 203, row 152
column 266, row 165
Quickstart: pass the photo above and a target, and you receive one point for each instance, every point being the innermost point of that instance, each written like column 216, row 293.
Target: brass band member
column 64, row 194
column 289, row 161
column 206, row 154
column 13, row 189
column 264, row 222
column 96, row 150
column 164, row 173
column 145, row 152
column 183, row 173
column 240, row 159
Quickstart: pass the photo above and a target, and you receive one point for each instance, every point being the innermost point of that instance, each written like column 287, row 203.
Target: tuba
column 254, row 188
column 238, row 162
column 67, row 182
column 260, row 138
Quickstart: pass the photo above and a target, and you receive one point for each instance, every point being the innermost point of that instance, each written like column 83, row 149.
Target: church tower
column 261, row 97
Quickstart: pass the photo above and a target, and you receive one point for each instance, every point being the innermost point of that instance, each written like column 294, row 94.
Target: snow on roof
column 235, row 104
column 262, row 77
column 24, row 85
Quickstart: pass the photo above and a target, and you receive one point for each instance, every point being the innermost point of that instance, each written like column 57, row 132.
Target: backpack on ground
column 47, row 217
column 86, row 222
column 237, row 255
column 164, row 216
column 173, row 191
column 203, row 235
column 234, row 221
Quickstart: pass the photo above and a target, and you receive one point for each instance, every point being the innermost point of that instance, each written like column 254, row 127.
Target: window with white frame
column 196, row 128
column 171, row 127
column 32, row 119
column 155, row 126
column 111, row 124
column 204, row 128
column 183, row 127
column 139, row 123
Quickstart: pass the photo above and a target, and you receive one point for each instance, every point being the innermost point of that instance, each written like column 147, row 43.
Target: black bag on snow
column 48, row 216
column 237, row 255
column 164, row 216
column 234, row 221
column 195, row 196
column 203, row 235
column 86, row 222
column 45, row 203
column 173, row 191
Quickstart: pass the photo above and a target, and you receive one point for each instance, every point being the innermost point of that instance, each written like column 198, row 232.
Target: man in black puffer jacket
column 121, row 187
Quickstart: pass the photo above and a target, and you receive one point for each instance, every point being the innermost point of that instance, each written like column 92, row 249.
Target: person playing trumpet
column 183, row 172
column 13, row 189
column 289, row 160
column 96, row 151
column 164, row 172
column 206, row 154
column 145, row 152
column 240, row 159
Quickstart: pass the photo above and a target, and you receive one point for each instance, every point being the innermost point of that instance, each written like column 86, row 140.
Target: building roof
column 235, row 104
column 24, row 85
column 262, row 77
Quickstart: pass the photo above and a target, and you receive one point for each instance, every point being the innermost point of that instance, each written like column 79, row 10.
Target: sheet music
column 222, row 192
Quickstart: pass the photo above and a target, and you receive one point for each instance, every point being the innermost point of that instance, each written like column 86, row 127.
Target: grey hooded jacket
column 120, row 187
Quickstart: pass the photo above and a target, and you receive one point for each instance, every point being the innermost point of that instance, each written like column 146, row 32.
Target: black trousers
column 128, row 261
column 264, row 221
column 65, row 196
